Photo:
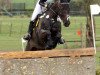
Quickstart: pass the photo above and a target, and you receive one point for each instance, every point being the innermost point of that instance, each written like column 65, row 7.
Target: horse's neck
column 51, row 15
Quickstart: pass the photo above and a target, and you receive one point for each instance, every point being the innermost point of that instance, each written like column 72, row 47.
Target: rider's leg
column 36, row 11
column 30, row 29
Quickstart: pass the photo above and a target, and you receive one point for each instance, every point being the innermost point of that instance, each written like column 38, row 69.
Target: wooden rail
column 48, row 53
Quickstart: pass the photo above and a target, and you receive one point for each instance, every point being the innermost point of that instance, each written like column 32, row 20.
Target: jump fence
column 54, row 62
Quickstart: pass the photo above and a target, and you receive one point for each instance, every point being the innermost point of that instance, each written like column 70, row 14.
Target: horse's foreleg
column 27, row 47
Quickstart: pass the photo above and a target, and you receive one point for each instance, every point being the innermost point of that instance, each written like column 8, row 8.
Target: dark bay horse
column 48, row 29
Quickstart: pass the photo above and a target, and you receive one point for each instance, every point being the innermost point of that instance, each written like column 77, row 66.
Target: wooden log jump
column 50, row 62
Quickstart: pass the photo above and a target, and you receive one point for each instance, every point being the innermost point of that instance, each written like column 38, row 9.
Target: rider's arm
column 42, row 2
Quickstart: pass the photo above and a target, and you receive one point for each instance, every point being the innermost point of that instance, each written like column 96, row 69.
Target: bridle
column 60, row 9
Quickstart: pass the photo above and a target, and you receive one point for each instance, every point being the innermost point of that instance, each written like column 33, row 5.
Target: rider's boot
column 30, row 29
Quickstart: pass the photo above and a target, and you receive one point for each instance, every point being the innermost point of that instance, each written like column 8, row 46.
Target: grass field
column 12, row 41
column 11, row 35
column 12, row 29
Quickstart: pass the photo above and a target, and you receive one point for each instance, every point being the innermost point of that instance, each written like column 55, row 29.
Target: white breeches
column 37, row 10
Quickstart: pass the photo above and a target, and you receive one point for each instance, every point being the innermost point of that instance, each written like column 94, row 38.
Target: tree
column 5, row 4
column 85, row 5
column 89, row 33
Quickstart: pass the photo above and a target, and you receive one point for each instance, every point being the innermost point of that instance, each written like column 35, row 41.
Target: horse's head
column 64, row 13
column 61, row 8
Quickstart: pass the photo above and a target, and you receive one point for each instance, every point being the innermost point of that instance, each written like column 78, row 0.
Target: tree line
column 75, row 5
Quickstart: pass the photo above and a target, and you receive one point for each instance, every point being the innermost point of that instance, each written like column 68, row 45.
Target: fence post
column 10, row 30
column 81, row 28
column 21, row 29
column 83, row 36
column 0, row 26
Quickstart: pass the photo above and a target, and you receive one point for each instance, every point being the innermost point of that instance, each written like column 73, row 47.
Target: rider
column 38, row 10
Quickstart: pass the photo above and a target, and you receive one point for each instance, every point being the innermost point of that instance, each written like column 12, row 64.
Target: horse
column 47, row 32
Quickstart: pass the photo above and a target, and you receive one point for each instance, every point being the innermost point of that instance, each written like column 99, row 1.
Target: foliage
column 5, row 3
column 75, row 6
column 82, row 5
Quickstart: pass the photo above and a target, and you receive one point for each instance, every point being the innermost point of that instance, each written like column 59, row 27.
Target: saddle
column 36, row 22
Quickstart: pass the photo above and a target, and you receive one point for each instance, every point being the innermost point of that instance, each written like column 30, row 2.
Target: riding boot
column 30, row 29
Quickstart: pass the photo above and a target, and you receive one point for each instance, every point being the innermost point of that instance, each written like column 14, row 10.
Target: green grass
column 12, row 29
column 98, row 60
column 19, row 27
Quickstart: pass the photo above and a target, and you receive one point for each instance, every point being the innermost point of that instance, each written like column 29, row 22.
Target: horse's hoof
column 61, row 41
column 47, row 47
